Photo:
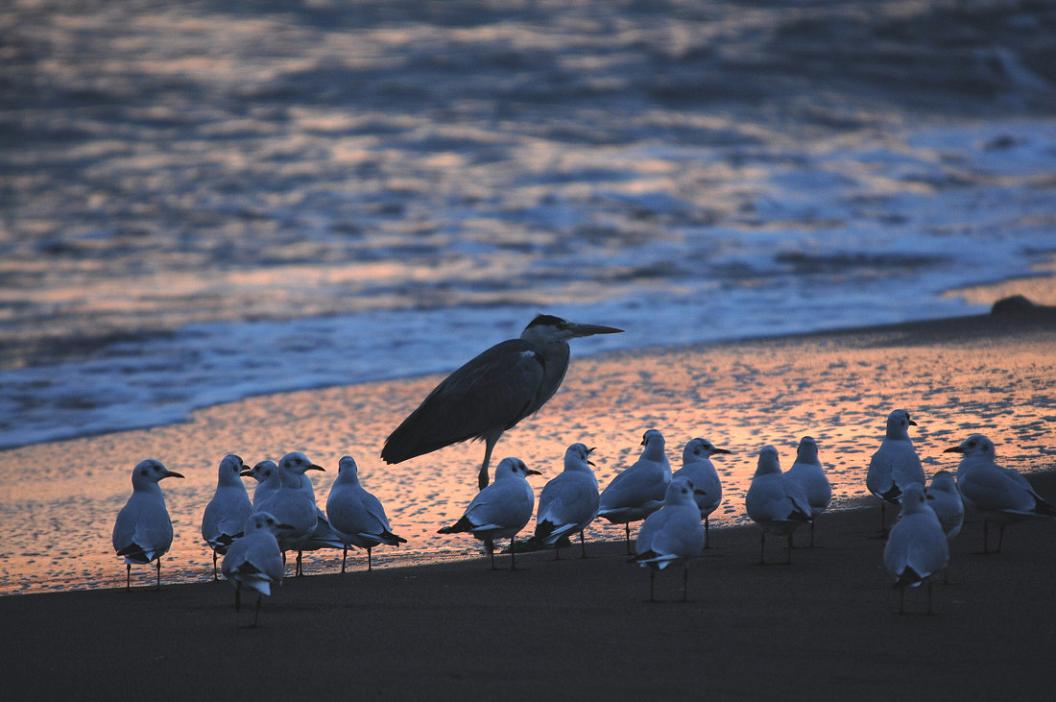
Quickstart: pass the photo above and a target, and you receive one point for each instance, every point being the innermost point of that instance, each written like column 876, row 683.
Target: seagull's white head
column 547, row 329
column 577, row 457
column 768, row 461
column 943, row 481
column 513, row 468
column 681, row 491
column 231, row 468
column 699, row 449
column 347, row 470
column 263, row 471
column 807, row 452
column 975, row 446
column 898, row 423
column 913, row 499
column 653, row 445
column 263, row 521
column 297, row 462
column 148, row 472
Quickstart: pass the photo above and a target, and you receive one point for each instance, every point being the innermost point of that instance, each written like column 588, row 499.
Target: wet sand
column 980, row 373
column 822, row 628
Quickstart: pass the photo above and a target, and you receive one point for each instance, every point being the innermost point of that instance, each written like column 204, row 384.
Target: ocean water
column 203, row 202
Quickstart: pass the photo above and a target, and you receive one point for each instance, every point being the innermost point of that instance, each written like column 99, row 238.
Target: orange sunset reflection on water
column 58, row 501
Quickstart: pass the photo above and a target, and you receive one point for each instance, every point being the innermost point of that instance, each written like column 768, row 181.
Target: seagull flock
column 253, row 536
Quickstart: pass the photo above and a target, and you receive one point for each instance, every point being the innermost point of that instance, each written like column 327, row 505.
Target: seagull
column 358, row 516
column 1001, row 494
column 491, row 393
column 289, row 505
column 143, row 530
column 501, row 509
column 673, row 534
column 809, row 474
column 569, row 502
column 226, row 513
column 324, row 535
column 895, row 465
column 266, row 473
column 638, row 491
column 916, row 548
column 945, row 500
column 699, row 470
column 776, row 504
column 254, row 560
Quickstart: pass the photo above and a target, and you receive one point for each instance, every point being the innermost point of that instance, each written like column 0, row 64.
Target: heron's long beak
column 912, row 423
column 171, row 474
column 315, row 467
column 592, row 329
column 954, row 449
column 245, row 473
column 718, row 450
column 529, row 471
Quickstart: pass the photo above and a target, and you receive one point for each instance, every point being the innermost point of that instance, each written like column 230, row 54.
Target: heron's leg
column 215, row 579
column 370, row 561
column 707, row 540
column 513, row 556
column 256, row 612
column 489, row 446
column 298, row 571
column 582, row 545
column 128, row 576
column 344, row 557
column 238, row 596
column 627, row 527
column 685, row 582
column 158, row 586
column 491, row 552
column 762, row 548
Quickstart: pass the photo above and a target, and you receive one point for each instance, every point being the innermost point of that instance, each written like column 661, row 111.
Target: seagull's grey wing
column 928, row 550
column 879, row 479
column 491, row 392
column 376, row 511
column 704, row 477
column 797, row 496
column 569, row 499
column 635, row 486
column 144, row 528
column 682, row 535
column 650, row 528
column 995, row 490
column 502, row 504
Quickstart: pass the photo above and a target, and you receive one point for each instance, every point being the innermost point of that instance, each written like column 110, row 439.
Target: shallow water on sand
column 58, row 501
column 204, row 202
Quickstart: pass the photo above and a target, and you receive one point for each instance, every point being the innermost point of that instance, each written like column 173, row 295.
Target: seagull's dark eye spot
column 143, row 471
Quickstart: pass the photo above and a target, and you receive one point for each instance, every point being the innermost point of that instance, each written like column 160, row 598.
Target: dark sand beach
column 822, row 628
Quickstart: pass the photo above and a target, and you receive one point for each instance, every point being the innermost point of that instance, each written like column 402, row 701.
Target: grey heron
column 491, row 393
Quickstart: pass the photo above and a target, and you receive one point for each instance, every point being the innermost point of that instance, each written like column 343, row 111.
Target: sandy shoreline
column 957, row 375
column 822, row 628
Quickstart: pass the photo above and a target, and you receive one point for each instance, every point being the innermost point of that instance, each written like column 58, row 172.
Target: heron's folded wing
column 492, row 392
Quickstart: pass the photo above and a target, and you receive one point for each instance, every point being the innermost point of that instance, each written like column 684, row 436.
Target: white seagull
column 266, row 473
column 290, row 505
column 638, row 491
column 226, row 513
column 775, row 503
column 895, row 465
column 324, row 535
column 699, row 470
column 672, row 535
column 143, row 530
column 255, row 560
column 916, row 548
column 945, row 500
column 501, row 509
column 809, row 474
column 1001, row 494
column 569, row 502
column 358, row 516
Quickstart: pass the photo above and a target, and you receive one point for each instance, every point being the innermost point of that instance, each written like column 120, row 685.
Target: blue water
column 203, row 203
